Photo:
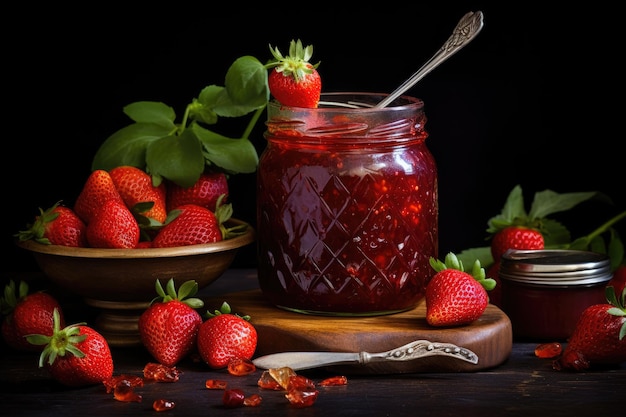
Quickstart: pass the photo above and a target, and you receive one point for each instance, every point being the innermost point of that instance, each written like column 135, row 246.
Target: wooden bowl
column 121, row 282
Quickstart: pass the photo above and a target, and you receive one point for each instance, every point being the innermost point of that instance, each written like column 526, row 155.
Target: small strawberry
column 599, row 336
column 169, row 327
column 515, row 237
column 225, row 336
column 618, row 280
column 293, row 81
column 193, row 225
column 98, row 188
column 205, row 192
column 136, row 189
column 58, row 225
column 455, row 297
column 27, row 313
column 113, row 226
column 76, row 355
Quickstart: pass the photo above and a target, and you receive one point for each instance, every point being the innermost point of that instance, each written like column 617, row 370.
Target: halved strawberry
column 293, row 80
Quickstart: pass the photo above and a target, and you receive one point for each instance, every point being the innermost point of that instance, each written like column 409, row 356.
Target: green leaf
column 482, row 254
column 232, row 155
column 548, row 202
column 177, row 158
column 246, row 82
column 513, row 208
column 151, row 112
column 128, row 146
column 554, row 233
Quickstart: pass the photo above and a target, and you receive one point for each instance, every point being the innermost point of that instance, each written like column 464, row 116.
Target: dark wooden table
column 523, row 385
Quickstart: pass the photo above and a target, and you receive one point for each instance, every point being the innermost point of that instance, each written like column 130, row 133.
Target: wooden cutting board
column 490, row 337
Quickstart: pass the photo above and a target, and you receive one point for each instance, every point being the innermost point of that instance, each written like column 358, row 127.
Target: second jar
column 347, row 206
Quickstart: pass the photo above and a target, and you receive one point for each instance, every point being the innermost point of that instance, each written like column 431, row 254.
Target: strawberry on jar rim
column 293, row 80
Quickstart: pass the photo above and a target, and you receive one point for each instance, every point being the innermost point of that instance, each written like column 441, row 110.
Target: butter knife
column 411, row 351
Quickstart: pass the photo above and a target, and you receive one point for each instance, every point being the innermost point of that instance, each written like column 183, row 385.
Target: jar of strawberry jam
column 347, row 206
column 544, row 292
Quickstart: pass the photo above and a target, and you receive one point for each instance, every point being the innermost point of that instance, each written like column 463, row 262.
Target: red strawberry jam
column 347, row 207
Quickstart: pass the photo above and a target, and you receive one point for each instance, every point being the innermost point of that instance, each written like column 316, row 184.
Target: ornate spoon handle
column 420, row 349
column 467, row 28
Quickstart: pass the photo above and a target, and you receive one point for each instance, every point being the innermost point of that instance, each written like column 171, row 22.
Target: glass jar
column 544, row 292
column 347, row 213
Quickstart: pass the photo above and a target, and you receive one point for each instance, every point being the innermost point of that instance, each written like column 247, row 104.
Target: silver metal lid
column 555, row 267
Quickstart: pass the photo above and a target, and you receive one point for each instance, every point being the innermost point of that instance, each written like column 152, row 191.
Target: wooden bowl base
column 118, row 322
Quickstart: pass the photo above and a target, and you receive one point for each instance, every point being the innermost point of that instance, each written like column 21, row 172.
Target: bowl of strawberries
column 123, row 233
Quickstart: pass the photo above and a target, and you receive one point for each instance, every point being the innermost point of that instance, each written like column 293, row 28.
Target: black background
column 533, row 100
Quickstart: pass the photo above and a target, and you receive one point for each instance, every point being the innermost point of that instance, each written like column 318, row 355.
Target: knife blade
column 411, row 351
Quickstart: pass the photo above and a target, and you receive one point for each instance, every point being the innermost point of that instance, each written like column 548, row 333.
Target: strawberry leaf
column 178, row 159
column 151, row 112
column 548, row 202
column 128, row 146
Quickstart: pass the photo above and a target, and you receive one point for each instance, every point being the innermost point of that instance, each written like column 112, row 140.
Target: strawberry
column 169, row 326
column 58, row 225
column 98, row 188
column 193, row 225
column 27, row 313
column 205, row 192
column 113, row 226
column 293, row 81
column 76, row 355
column 599, row 336
column 225, row 336
column 618, row 280
column 515, row 237
column 136, row 187
column 455, row 297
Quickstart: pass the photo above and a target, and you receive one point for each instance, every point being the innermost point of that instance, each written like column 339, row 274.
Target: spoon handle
column 467, row 28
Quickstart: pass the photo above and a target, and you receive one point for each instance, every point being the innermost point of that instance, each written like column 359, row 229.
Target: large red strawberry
column 599, row 336
column 136, row 189
column 58, row 225
column 225, row 336
column 293, row 80
column 193, row 225
column 27, row 313
column 453, row 296
column 205, row 192
column 98, row 188
column 76, row 355
column 113, row 226
column 169, row 327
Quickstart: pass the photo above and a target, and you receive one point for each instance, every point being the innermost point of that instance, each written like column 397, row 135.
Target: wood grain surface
column 490, row 337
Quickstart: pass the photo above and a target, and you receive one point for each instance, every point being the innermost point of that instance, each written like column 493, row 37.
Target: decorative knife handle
column 419, row 349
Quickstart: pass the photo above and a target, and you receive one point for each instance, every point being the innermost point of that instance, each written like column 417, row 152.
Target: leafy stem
column 181, row 152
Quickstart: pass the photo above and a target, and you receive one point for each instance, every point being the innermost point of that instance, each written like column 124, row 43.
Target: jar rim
column 356, row 102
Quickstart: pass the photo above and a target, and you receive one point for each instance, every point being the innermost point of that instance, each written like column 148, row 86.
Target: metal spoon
column 467, row 28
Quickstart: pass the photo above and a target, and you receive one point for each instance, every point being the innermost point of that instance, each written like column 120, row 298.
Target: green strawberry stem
column 62, row 341
column 184, row 294
column 453, row 262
